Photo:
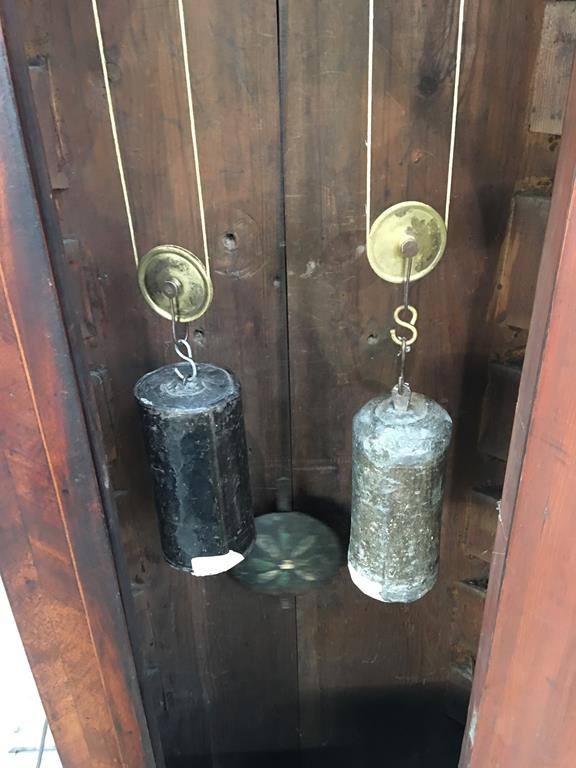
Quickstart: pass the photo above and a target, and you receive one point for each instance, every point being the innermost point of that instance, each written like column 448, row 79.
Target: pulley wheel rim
column 404, row 221
column 173, row 263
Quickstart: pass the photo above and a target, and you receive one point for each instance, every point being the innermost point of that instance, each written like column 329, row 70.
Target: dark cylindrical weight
column 194, row 434
column 398, row 462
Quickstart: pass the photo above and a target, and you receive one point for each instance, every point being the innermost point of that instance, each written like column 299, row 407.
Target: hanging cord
column 184, row 36
column 182, row 346
column 451, row 153
column 116, row 140
column 458, row 68
column 369, row 118
column 409, row 248
column 113, row 125
column 171, row 288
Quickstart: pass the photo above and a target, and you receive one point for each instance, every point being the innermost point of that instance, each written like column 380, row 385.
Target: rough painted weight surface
column 196, row 444
column 398, row 462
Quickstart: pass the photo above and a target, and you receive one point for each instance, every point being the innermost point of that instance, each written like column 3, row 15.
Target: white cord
column 369, row 118
column 458, row 68
column 193, row 131
column 454, row 110
column 114, row 128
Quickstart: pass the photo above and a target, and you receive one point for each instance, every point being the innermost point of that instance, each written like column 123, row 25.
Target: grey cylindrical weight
column 398, row 462
column 196, row 444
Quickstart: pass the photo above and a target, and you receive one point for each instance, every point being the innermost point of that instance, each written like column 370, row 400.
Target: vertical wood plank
column 102, row 303
column 553, row 67
column 493, row 154
column 212, row 673
column 529, row 617
column 520, row 260
column 56, row 558
column 339, row 311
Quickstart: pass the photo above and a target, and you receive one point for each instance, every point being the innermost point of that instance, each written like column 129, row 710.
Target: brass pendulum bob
column 293, row 553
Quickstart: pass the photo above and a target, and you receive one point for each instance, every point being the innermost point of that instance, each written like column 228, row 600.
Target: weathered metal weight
column 194, row 431
column 398, row 459
column 194, row 434
column 400, row 441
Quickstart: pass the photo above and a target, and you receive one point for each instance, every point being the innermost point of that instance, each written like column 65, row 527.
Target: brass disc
column 172, row 263
column 409, row 222
column 293, row 554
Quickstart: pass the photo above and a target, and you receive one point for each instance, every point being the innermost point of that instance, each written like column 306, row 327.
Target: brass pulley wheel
column 409, row 229
column 171, row 264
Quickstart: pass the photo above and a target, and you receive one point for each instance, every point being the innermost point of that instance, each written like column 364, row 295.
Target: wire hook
column 409, row 325
column 187, row 357
column 409, row 249
column 171, row 290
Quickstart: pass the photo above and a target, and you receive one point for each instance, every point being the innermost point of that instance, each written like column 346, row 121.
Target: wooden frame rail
column 523, row 709
column 55, row 553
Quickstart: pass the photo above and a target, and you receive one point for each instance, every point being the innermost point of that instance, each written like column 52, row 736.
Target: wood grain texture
column 553, row 68
column 469, row 610
column 491, row 156
column 531, row 606
column 247, row 679
column 498, row 409
column 209, row 683
column 56, row 558
column 521, row 254
column 41, row 88
column 480, row 530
